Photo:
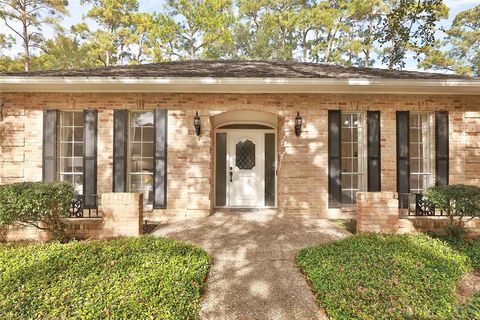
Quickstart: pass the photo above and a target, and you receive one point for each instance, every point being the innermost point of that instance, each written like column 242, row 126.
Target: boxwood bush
column 136, row 278
column 385, row 277
column 39, row 204
column 456, row 200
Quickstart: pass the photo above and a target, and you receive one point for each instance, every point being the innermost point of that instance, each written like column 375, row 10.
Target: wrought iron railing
column 418, row 205
column 84, row 206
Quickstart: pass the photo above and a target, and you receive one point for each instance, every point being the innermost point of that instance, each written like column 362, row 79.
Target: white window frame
column 424, row 177
column 63, row 173
column 361, row 155
column 146, row 201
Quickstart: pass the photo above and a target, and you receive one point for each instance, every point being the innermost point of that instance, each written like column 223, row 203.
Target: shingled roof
column 240, row 69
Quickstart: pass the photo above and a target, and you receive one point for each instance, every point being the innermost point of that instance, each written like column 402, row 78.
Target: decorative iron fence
column 84, row 206
column 418, row 205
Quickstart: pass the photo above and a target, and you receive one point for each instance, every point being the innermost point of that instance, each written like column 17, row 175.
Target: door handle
column 231, row 174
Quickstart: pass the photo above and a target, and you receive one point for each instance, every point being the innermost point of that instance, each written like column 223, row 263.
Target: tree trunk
column 26, row 51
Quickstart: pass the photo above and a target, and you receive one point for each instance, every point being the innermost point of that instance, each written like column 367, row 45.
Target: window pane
column 78, row 149
column 346, row 165
column 78, row 184
column 78, row 119
column 78, row 164
column 148, row 164
column 136, row 134
column 66, row 134
column 148, row 134
column 78, row 134
column 136, row 150
column 66, row 149
column 66, row 119
column 147, row 150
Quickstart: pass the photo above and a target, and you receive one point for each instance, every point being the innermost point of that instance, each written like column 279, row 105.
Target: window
column 353, row 156
column 140, row 154
column 420, row 152
column 71, row 148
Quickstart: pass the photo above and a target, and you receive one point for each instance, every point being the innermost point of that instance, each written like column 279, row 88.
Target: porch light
column 298, row 125
column 197, row 124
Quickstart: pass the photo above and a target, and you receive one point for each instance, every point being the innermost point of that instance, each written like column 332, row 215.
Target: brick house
column 199, row 136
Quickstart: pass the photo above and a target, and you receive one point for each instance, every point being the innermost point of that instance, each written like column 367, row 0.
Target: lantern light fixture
column 197, row 124
column 298, row 125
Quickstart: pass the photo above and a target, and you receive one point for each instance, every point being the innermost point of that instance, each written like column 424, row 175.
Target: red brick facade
column 303, row 162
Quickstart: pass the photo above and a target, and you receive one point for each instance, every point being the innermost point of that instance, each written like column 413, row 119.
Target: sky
column 77, row 11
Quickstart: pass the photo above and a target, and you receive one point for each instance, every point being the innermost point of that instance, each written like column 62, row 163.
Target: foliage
column 25, row 18
column 135, row 278
column 39, row 204
column 410, row 25
column 456, row 200
column 470, row 248
column 345, row 32
column 384, row 277
column 460, row 51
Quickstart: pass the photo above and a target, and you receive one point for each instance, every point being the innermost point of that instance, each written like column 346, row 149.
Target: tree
column 409, row 25
column 110, row 43
column 460, row 51
column 65, row 52
column 195, row 28
column 26, row 18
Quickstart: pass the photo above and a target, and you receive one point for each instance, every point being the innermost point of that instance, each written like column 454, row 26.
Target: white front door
column 245, row 169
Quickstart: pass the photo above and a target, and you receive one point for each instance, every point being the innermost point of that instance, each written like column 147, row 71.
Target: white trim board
column 238, row 85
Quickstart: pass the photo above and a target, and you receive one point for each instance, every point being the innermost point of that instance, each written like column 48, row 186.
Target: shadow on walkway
column 254, row 275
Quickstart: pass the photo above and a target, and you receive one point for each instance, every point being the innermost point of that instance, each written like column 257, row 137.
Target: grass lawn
column 136, row 278
column 391, row 277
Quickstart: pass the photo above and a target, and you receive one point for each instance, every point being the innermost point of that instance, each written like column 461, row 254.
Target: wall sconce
column 197, row 124
column 298, row 125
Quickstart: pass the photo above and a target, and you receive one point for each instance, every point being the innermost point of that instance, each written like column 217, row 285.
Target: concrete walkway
column 254, row 275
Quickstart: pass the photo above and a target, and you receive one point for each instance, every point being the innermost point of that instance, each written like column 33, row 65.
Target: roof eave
column 238, row 85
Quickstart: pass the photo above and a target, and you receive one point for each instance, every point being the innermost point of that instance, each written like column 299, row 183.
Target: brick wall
column 377, row 212
column 302, row 174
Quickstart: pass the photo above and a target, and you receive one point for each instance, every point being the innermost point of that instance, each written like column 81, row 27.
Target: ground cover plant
column 135, row 278
column 471, row 248
column 391, row 276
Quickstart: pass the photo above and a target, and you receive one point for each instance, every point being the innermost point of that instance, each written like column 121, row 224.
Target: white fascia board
column 237, row 85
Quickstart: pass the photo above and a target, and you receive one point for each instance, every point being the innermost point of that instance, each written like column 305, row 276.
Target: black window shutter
column 90, row 120
column 403, row 157
column 334, row 159
column 441, row 148
column 160, row 170
column 221, row 170
column 374, row 155
column 120, row 129
column 49, row 152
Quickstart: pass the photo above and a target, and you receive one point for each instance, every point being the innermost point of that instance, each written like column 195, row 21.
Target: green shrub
column 39, row 204
column 461, row 201
column 135, row 278
column 456, row 200
column 385, row 277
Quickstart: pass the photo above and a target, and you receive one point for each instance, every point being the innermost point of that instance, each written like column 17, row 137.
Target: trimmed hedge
column 39, row 204
column 456, row 200
column 136, row 278
column 385, row 277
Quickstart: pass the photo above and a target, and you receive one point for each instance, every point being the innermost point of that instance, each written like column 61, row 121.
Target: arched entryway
column 245, row 159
